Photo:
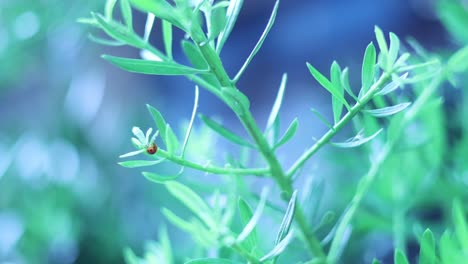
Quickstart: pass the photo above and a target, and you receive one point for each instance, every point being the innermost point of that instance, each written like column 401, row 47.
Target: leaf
column 151, row 67
column 387, row 111
column 260, row 41
column 139, row 134
column 167, row 37
column 290, row 132
column 458, row 62
column 194, row 55
column 381, row 40
column 139, row 163
column 277, row 104
column 356, row 141
column 109, row 8
column 159, row 121
column 368, row 68
column 337, row 105
column 157, row 178
column 106, row 42
column 279, row 248
column 163, row 10
column 448, row 249
column 376, row 261
column 172, row 143
column 287, row 219
column 119, row 32
column 460, row 223
column 192, row 201
column 321, row 118
column 231, row 18
column 126, row 13
column 220, row 129
column 400, row 257
column 250, row 226
column 324, row 82
column 427, row 248
column 217, row 22
column 251, row 241
column 393, row 85
column 345, row 83
column 132, row 153
column 211, row 261
column 393, row 51
column 238, row 101
column 130, row 257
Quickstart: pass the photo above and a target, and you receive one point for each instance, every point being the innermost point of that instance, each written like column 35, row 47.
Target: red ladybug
column 151, row 149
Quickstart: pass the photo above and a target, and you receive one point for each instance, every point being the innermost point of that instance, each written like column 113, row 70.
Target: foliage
column 403, row 166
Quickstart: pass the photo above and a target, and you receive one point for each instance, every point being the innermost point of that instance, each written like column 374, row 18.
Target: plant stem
column 369, row 178
column 275, row 168
column 339, row 125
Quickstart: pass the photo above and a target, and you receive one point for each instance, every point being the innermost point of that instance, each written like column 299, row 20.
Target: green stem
column 213, row 169
column 275, row 168
column 251, row 258
column 339, row 125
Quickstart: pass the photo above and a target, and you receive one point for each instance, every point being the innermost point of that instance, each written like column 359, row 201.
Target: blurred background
column 66, row 115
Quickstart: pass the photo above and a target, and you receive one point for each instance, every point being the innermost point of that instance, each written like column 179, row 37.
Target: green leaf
column 458, row 62
column 194, row 55
column 287, row 219
column 120, row 32
column 321, row 118
column 448, row 249
column 163, row 10
column 393, row 85
column 238, row 102
column 251, row 241
column 400, row 257
column 387, row 111
column 272, row 118
column 159, row 121
column 345, row 83
column 279, row 248
column 109, row 8
column 220, row 129
column 211, row 261
column 356, row 141
column 260, row 41
column 379, row 35
column 376, row 261
column 139, row 163
column 126, row 13
column 172, row 143
column 157, row 178
column 192, row 201
column 105, row 42
column 132, row 153
column 324, row 82
column 460, row 223
column 427, row 248
column 167, row 37
column 337, row 105
column 368, row 68
column 177, row 221
column 217, row 22
column 393, row 51
column 252, row 223
column 130, row 257
column 231, row 18
column 290, row 132
column 151, row 67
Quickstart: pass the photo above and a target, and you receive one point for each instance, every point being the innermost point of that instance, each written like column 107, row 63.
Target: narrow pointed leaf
column 139, row 163
column 231, row 18
column 161, row 9
column 109, row 8
column 401, row 61
column 324, row 82
column 368, row 68
column 345, row 83
column 159, row 121
column 246, row 214
column 400, row 257
column 356, row 141
column 167, row 37
column 172, row 143
column 151, row 67
column 279, row 248
column 220, row 129
column 139, row 134
column 132, row 153
column 458, row 62
column 290, row 132
column 259, row 44
column 337, row 105
column 392, row 86
column 287, row 219
column 379, row 35
column 393, row 51
column 192, row 201
column 460, row 223
column 105, row 42
column 387, row 111
column 176, row 220
column 321, row 118
column 126, row 13
column 427, row 248
column 218, row 22
column 250, row 226
column 157, row 178
column 278, row 101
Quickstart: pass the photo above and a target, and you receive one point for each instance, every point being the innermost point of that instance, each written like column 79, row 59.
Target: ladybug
column 151, row 149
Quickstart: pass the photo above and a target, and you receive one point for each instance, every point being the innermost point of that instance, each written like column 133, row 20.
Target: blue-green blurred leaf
column 139, row 163
column 287, row 219
column 220, row 129
column 368, row 68
column 387, row 111
column 427, row 253
column 400, row 257
column 290, row 132
column 356, row 141
column 231, row 18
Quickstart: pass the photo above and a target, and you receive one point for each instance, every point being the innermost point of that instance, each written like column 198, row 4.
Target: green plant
column 207, row 25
